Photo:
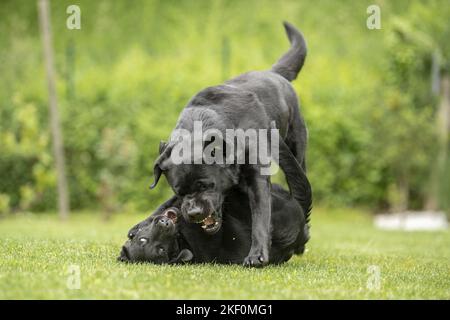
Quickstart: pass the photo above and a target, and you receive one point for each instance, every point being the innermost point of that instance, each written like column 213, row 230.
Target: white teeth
column 206, row 219
column 206, row 227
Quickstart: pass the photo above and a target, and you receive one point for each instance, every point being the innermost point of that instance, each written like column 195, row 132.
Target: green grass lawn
column 37, row 250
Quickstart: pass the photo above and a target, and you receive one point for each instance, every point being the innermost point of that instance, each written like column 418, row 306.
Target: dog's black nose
column 192, row 211
column 164, row 222
column 190, row 203
column 195, row 213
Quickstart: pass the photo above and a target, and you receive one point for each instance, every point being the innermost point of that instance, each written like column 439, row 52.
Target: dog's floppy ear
column 162, row 146
column 184, row 256
column 173, row 213
column 157, row 171
column 158, row 168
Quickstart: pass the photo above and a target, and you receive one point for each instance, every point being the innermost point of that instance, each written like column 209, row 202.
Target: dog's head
column 201, row 186
column 156, row 242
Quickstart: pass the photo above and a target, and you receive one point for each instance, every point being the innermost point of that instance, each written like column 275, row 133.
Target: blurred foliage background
column 370, row 97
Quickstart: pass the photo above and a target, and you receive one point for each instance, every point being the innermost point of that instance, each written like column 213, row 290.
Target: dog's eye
column 143, row 240
column 161, row 250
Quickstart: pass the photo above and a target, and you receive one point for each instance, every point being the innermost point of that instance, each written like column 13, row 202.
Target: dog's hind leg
column 300, row 189
column 297, row 137
column 296, row 178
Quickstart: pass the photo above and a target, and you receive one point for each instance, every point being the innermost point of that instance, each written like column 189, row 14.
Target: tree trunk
column 443, row 123
column 58, row 149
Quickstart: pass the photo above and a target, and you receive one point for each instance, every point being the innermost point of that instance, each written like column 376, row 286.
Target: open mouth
column 211, row 224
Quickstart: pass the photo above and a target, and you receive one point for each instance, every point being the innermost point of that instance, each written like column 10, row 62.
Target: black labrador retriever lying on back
column 257, row 100
column 168, row 238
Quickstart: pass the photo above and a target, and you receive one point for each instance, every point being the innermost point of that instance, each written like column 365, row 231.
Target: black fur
column 254, row 100
column 162, row 241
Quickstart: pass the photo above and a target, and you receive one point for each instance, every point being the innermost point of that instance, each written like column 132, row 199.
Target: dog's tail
column 292, row 61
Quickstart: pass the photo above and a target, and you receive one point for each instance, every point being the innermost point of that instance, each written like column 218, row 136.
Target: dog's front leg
column 260, row 205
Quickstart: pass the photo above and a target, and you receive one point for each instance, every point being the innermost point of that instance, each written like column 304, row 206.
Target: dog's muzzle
column 202, row 212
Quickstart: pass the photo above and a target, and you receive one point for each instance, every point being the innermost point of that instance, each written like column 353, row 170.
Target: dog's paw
column 255, row 261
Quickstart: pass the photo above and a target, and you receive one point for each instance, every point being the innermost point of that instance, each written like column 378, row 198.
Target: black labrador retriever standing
column 168, row 238
column 254, row 100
